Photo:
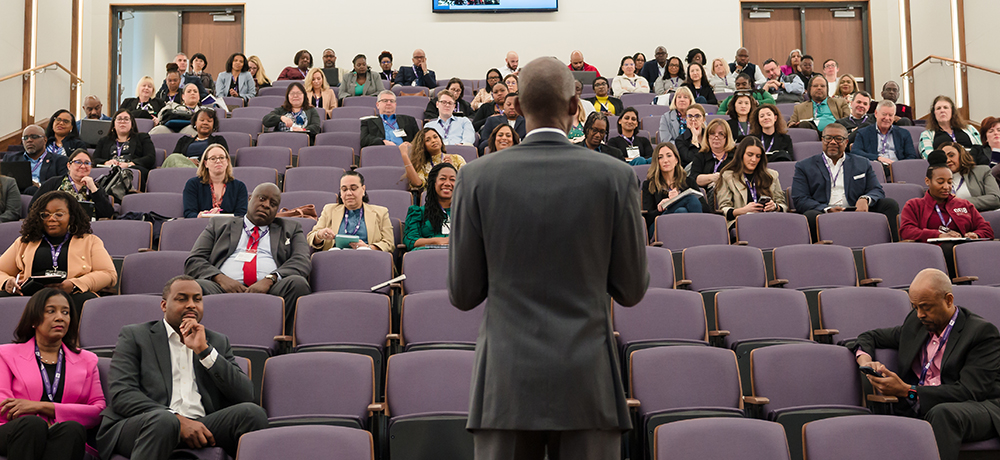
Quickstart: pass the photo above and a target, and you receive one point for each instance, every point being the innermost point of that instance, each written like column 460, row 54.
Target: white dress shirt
column 266, row 265
column 886, row 147
column 184, row 397
column 838, row 191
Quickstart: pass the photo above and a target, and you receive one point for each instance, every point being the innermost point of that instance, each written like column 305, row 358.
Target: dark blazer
column 185, row 141
column 968, row 367
column 560, row 280
column 705, row 91
column 615, row 102
column 186, row 79
column 811, row 184
column 373, row 133
column 52, row 165
column 139, row 150
column 866, row 143
column 70, row 143
column 492, row 123
column 132, row 105
column 10, row 200
column 650, row 71
column 140, row 380
column 103, row 209
column 198, row 197
column 645, row 148
column 405, row 76
column 219, row 240
column 485, row 111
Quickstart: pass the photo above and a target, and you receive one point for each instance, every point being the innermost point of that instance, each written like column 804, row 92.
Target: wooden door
column 771, row 38
column 840, row 39
column 216, row 40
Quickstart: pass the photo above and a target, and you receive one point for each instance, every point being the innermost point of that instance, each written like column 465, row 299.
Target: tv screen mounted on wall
column 493, row 6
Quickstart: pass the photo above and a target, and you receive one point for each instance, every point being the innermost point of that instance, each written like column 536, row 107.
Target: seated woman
column 846, row 87
column 421, row 155
column 10, row 199
column 716, row 151
column 503, row 136
column 214, row 190
column 51, row 388
column 947, row 126
column 575, row 133
column 79, row 184
column 628, row 81
column 720, row 78
column 429, row 225
column 672, row 78
column 744, row 83
column 303, row 61
column 740, row 107
column 674, row 123
column 352, row 215
column 689, row 143
column 989, row 153
column 61, row 135
column 361, row 81
column 698, row 83
column 171, row 89
column 462, row 108
column 144, row 105
column 385, row 63
column 747, row 185
column 237, row 80
column 56, row 240
column 792, row 63
column 296, row 115
column 198, row 64
column 665, row 181
column 511, row 81
column 696, row 55
column 975, row 182
column 125, row 146
column 640, row 60
column 634, row 147
column 934, row 215
column 767, row 124
column 188, row 150
column 320, row 94
column 176, row 118
column 257, row 72
column 485, row 93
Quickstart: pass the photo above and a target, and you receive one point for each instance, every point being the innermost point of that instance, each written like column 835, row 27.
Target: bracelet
column 410, row 165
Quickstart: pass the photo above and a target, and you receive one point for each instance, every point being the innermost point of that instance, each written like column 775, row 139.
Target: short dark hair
column 696, row 52
column 594, row 117
column 299, row 55
column 770, row 61
column 361, row 178
column 50, row 133
column 229, row 63
column 627, row 110
column 384, row 54
column 806, row 56
column 862, row 93
column 134, row 130
column 496, row 71
column 202, row 57
column 935, row 160
column 460, row 85
column 605, row 80
column 34, row 311
column 172, row 68
column 211, row 112
column 171, row 281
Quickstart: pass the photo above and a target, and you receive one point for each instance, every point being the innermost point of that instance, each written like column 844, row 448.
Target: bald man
column 577, row 63
column 43, row 165
column 510, row 64
column 554, row 385
column 417, row 74
column 94, row 109
column 948, row 366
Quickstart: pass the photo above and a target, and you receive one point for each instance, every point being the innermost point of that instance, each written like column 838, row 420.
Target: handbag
column 307, row 210
column 116, row 183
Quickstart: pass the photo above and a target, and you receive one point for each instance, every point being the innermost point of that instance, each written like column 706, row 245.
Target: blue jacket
column 811, row 184
column 198, row 197
column 866, row 143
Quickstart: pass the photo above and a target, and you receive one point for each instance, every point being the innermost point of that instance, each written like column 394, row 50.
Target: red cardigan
column 920, row 220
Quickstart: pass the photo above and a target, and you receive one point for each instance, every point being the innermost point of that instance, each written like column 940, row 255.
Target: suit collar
column 161, row 348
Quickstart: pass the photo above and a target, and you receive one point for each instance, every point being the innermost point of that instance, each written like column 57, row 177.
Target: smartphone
column 867, row 370
column 764, row 200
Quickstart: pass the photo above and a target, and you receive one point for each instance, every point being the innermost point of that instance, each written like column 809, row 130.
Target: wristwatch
column 273, row 277
column 911, row 394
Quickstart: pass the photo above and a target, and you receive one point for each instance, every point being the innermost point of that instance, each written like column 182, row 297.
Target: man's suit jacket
column 970, row 366
column 546, row 357
column 615, row 102
column 811, row 184
column 218, row 241
column 373, row 133
column 804, row 111
column 866, row 143
column 141, row 381
column 650, row 71
column 492, row 123
column 52, row 165
column 405, row 76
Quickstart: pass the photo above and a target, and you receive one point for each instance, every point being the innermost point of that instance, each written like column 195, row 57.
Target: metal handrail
column 73, row 76
column 909, row 72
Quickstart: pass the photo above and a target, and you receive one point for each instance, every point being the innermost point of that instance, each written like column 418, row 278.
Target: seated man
column 453, row 130
column 820, row 110
column 256, row 253
column 417, row 74
column 784, row 88
column 653, row 69
column 577, row 63
column 948, row 365
column 330, row 70
column 175, row 383
column 94, row 109
column 805, row 72
column 904, row 113
column 489, row 109
column 883, row 142
column 859, row 117
column 510, row 64
column 43, row 165
column 833, row 182
column 387, row 128
column 595, row 131
column 509, row 116
column 603, row 101
column 742, row 65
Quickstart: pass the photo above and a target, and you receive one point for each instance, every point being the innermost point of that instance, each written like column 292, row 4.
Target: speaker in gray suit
column 551, row 233
column 174, row 383
column 256, row 253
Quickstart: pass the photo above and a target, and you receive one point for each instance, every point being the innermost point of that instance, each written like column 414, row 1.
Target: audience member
column 296, row 114
column 672, row 79
column 744, row 84
column 52, row 388
column 792, row 63
column 635, row 147
column 10, row 199
column 256, row 69
column 830, row 72
column 125, row 146
column 171, row 89
column 805, row 72
column 511, row 82
column 361, row 81
column 747, row 185
column 947, row 125
column 198, row 64
column 303, row 62
column 640, row 61
column 990, row 130
column 975, row 182
column 387, row 128
column 461, row 107
column 386, row 74
column 503, row 136
column 740, row 107
column 352, row 215
column 820, row 110
column 742, row 65
column 859, row 117
column 321, row 96
column 835, row 182
column 767, row 124
column 56, row 240
column 577, row 63
column 510, row 64
column 187, row 76
column 695, row 55
column 674, row 122
column 453, row 130
column 575, row 132
column 508, row 116
column 785, row 88
column 78, row 183
column 420, row 156
column 628, row 81
column 882, row 141
column 720, row 78
column 330, row 70
column 955, row 391
column 214, row 190
column 94, row 110
column 188, row 150
column 61, row 135
column 716, row 152
column 846, row 87
column 595, row 131
column 143, row 105
column 689, row 142
column 173, row 381
column 176, row 116
column 602, row 101
column 485, row 93
column 697, row 82
column 237, row 80
column 664, row 181
column 43, row 165
column 489, row 109
column 653, row 70
column 904, row 113
column 418, row 74
column 429, row 226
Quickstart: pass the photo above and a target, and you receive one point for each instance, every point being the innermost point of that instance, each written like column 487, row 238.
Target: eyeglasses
column 717, row 135
column 32, row 137
column 45, row 215
column 837, row 139
column 216, row 159
column 446, row 103
column 694, row 116
column 599, row 131
column 387, row 101
column 600, row 84
column 829, row 66
column 123, row 120
column 80, row 163
column 673, row 64
column 64, row 121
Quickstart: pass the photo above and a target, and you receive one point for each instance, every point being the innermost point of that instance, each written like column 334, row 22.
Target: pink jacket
column 21, row 378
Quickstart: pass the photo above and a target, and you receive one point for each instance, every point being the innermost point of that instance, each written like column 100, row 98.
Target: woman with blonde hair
column 426, row 150
column 674, row 123
column 720, row 78
column 319, row 92
column 257, row 72
column 716, row 151
column 144, row 104
column 214, row 190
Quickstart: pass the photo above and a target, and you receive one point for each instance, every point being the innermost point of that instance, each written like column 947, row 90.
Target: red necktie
column 250, row 268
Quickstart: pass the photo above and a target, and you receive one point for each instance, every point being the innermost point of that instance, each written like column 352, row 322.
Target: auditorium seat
column 306, row 443
column 275, row 157
column 250, row 126
column 252, row 176
column 978, row 259
column 342, row 125
column 360, row 101
column 805, row 149
column 148, row 272
column 396, row 201
column 352, row 112
column 902, row 193
column 9, row 232
column 634, row 99
column 255, row 112
column 345, row 381
column 879, row 170
column 853, row 310
column 909, row 172
column 720, row 438
column 164, row 203
column 293, row 141
column 412, row 101
column 993, row 217
column 384, row 177
column 381, row 155
column 467, row 152
column 981, row 300
column 165, row 141
column 170, row 180
column 428, row 320
column 853, row 437
column 270, row 102
column 709, row 269
column 853, row 229
column 811, row 268
column 400, row 90
column 770, row 230
column 316, row 179
column 425, row 270
column 11, row 309
column 102, row 318
column 123, row 237
column 356, row 271
column 660, row 265
column 802, row 134
column 319, row 199
column 897, row 263
column 180, row 234
column 337, row 156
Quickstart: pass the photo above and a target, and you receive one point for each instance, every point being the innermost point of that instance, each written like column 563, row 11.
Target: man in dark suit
column 833, row 181
column 417, row 74
column 603, row 101
column 859, row 117
column 173, row 380
column 654, row 69
column 904, row 113
column 255, row 253
column 509, row 115
column 957, row 389
column 43, row 165
column 882, row 141
column 388, row 128
column 554, row 384
column 489, row 109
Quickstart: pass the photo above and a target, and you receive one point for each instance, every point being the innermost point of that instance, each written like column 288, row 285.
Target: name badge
column 59, row 273
column 245, row 256
column 859, row 176
column 399, row 132
column 632, row 152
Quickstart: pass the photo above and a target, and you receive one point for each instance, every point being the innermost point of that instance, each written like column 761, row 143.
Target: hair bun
column 937, row 158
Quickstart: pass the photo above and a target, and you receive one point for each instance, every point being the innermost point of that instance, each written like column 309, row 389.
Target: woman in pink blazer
column 50, row 390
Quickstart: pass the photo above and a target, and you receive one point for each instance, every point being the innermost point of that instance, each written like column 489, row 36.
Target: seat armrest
column 882, row 399
column 283, row 338
column 780, row 282
column 870, row 281
column 377, row 407
column 632, row 402
column 825, row 335
column 824, row 242
column 616, row 334
column 685, row 284
column 717, row 338
column 657, row 244
column 741, row 243
column 965, row 280
column 756, row 400
column 754, row 406
column 826, row 332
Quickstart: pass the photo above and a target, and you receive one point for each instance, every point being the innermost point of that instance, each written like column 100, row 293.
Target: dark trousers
column 154, row 435
column 885, row 206
column 958, row 422
column 560, row 445
column 289, row 288
column 31, row 438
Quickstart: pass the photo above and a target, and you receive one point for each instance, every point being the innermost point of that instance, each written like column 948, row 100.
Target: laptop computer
column 91, row 131
column 585, row 77
column 20, row 171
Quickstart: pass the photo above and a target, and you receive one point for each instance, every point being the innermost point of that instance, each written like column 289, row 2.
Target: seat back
column 660, row 264
column 350, row 270
column 978, row 259
column 429, row 319
column 425, row 270
column 428, row 382
column 102, row 318
column 853, row 229
column 803, row 150
column 633, row 99
column 343, row 139
column 248, row 320
column 11, row 309
column 808, row 266
column 384, row 178
column 853, row 310
column 169, row 179
column 319, row 199
column 662, row 315
column 252, row 176
column 852, row 436
column 165, row 141
column 10, row 231
column 316, row 179
column 123, row 237
column 341, row 318
column 360, row 101
column 255, row 112
column 902, row 193
column 676, row 230
column 879, row 170
column 897, row 263
column 772, row 229
column 699, row 439
column 829, row 376
column 802, row 134
column 345, row 125
column 664, row 378
column 163, row 203
column 180, row 234
column 352, row 112
column 909, row 171
column 266, row 101
column 993, row 217
column 248, row 125
column 337, row 156
column 723, row 267
column 981, row 300
column 148, row 272
column 293, row 141
column 272, row 156
column 396, row 201
column 381, row 155
column 308, row 441
column 288, row 377
column 763, row 313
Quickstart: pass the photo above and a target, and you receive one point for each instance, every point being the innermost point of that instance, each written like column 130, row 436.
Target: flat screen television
column 493, row 6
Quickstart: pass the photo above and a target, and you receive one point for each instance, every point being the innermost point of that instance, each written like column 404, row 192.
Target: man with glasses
column 387, row 128
column 653, row 70
column 904, row 113
column 835, row 182
column 330, row 69
column 743, row 65
column 805, row 72
column 820, row 110
column 453, row 130
column 417, row 74
column 43, row 165
column 602, row 101
column 94, row 109
column 879, row 141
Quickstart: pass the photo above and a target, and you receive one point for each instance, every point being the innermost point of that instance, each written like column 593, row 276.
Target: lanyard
column 954, row 191
column 146, row 106
column 816, row 113
column 739, row 125
column 883, row 143
column 941, row 343
column 675, row 81
column 56, row 250
column 446, row 128
column 317, row 101
column 252, row 243
column 50, row 388
column 119, row 147
column 361, row 218
column 718, row 164
column 769, row 144
column 392, row 123
column 952, row 134
column 941, row 216
column 604, row 108
column 39, row 163
column 833, row 178
column 750, row 187
column 630, row 140
column 301, row 72
column 416, row 77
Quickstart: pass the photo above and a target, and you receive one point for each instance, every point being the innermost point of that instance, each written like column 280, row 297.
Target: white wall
column 54, row 44
column 11, row 46
column 930, row 25
column 149, row 41
column 887, row 61
column 980, row 49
